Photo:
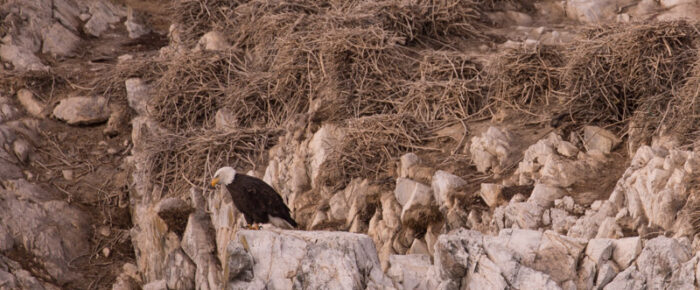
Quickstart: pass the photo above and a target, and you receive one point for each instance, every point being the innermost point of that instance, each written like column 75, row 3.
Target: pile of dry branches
column 526, row 79
column 370, row 143
column 179, row 161
column 618, row 70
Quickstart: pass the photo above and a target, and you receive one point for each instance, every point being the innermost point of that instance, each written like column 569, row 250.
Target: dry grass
column 178, row 162
column 369, row 145
column 526, row 80
column 617, row 70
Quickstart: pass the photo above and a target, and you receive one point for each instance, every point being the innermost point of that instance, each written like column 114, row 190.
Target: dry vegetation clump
column 179, row 161
column 367, row 65
column 194, row 18
column 526, row 79
column 369, row 145
column 617, row 70
column 447, row 86
column 427, row 20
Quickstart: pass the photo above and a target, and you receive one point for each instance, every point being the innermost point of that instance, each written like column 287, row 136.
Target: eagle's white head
column 224, row 176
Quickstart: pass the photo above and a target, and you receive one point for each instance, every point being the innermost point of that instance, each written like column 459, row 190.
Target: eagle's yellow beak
column 214, row 182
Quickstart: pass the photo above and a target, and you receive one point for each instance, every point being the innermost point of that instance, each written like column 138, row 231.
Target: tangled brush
column 617, row 70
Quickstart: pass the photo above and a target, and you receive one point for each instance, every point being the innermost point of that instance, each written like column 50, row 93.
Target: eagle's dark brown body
column 257, row 200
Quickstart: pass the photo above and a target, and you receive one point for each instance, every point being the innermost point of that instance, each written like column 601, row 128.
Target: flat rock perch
column 308, row 260
column 82, row 110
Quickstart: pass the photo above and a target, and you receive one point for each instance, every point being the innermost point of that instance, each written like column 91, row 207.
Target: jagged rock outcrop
column 309, row 260
column 494, row 150
column 51, row 27
column 655, row 186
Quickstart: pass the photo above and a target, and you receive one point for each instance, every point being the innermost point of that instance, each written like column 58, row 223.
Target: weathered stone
column 600, row 250
column 198, row 242
column 596, row 138
column 418, row 247
column 82, row 110
column 156, row 285
column 22, row 150
column 491, row 193
column 660, row 258
column 409, row 271
column 339, row 207
column 21, row 59
column 59, row 41
column 629, row 279
column 685, row 277
column 523, row 214
column 103, row 14
column 240, row 263
column 558, row 256
column 179, row 271
column 626, row 250
column 654, row 187
column 407, row 161
column 312, row 260
column 320, row 146
column 543, row 164
column 213, row 40
column 586, row 274
column 545, row 195
column 136, row 24
column 561, row 220
column 30, row 103
column 606, row 273
column 588, row 225
column 138, row 95
column 26, row 209
column 609, row 229
column 493, row 150
column 444, row 185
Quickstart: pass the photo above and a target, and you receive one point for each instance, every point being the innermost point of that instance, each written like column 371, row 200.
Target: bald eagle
column 259, row 202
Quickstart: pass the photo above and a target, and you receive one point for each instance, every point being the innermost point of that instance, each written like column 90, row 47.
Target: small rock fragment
column 491, row 193
column 444, row 185
column 156, row 285
column 213, row 40
column 596, row 138
column 82, row 110
column 30, row 103
column 67, row 174
column 22, row 149
column 407, row 161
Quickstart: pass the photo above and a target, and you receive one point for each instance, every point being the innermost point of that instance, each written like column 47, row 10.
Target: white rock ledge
column 308, row 260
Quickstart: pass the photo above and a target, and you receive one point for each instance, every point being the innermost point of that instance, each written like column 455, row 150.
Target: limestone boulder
column 409, row 271
column 138, row 95
column 656, row 185
column 444, row 187
column 495, row 150
column 46, row 226
column 310, row 260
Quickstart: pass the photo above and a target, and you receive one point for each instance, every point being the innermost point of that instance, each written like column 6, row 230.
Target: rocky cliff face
column 106, row 108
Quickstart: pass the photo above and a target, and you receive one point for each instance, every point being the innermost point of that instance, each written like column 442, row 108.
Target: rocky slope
column 101, row 130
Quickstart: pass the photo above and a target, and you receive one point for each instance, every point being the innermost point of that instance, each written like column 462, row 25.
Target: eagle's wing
column 265, row 198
